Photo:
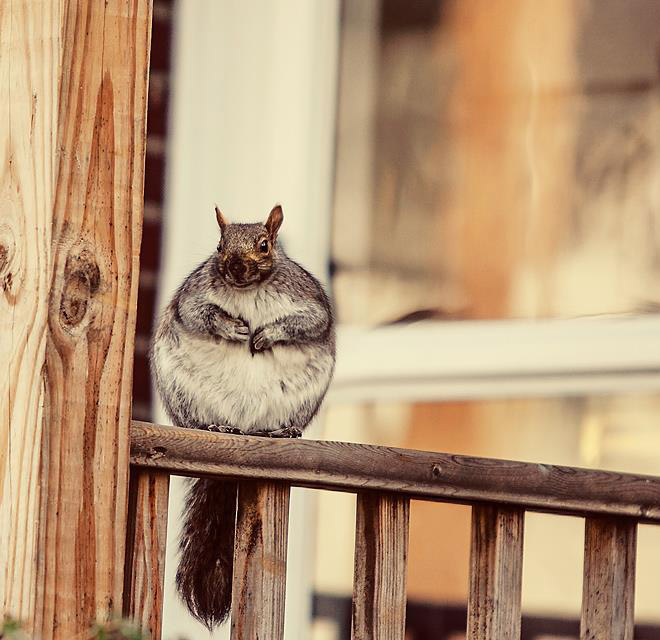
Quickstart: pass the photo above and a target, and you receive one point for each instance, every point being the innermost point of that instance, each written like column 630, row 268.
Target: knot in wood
column 436, row 470
column 3, row 257
column 82, row 279
column 157, row 452
column 7, row 253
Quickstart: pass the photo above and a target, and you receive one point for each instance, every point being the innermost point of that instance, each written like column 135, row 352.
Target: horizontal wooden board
column 418, row 474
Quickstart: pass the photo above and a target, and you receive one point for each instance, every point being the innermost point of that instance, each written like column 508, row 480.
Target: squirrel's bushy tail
column 204, row 575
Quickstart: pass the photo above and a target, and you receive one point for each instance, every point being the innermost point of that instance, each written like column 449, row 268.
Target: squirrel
column 246, row 346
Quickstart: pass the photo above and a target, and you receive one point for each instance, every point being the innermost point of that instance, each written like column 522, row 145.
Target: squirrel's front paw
column 262, row 339
column 235, row 329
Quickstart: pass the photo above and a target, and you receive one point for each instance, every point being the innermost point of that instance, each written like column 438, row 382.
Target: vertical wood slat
column 496, row 556
column 381, row 554
column 144, row 574
column 73, row 85
column 259, row 580
column 608, row 589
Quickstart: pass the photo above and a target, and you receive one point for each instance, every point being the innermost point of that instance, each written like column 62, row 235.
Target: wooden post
column 259, row 582
column 381, row 554
column 73, row 84
column 608, row 589
column 145, row 550
column 496, row 557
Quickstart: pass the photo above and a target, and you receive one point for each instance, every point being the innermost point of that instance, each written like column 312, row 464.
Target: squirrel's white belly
column 254, row 393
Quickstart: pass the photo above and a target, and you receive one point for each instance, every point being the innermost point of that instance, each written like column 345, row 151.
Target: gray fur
column 246, row 342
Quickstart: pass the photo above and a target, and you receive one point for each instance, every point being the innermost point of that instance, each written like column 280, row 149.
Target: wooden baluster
column 144, row 572
column 608, row 591
column 496, row 556
column 381, row 553
column 259, row 582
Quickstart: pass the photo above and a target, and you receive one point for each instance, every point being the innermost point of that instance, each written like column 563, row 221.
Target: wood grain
column 381, row 553
column 496, row 557
column 608, row 589
column 259, row 582
column 417, row 474
column 144, row 574
column 73, row 82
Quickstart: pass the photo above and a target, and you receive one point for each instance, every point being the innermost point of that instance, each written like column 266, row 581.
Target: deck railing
column 385, row 479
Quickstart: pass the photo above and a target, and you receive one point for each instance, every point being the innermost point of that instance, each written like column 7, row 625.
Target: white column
column 252, row 123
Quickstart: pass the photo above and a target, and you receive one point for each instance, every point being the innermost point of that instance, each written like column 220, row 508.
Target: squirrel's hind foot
column 285, row 432
column 223, row 429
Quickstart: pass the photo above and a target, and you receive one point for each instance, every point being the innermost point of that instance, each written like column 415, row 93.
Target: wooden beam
column 144, row 575
column 496, row 558
column 608, row 588
column 418, row 474
column 259, row 582
column 73, row 85
column 381, row 553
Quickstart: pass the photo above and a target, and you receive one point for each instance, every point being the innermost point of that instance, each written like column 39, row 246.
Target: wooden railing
column 76, row 94
column 69, row 245
column 385, row 479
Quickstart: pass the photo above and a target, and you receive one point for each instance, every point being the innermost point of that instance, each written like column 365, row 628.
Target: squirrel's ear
column 274, row 221
column 222, row 221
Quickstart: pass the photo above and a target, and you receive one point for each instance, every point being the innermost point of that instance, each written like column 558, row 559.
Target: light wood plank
column 608, row 589
column 496, row 557
column 381, row 554
column 73, row 84
column 145, row 550
column 418, row 474
column 259, row 582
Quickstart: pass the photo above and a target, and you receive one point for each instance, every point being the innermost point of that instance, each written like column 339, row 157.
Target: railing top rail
column 418, row 474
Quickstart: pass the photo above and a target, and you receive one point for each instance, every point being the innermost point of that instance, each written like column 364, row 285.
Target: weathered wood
column 144, row 574
column 381, row 553
column 496, row 557
column 73, row 83
column 608, row 588
column 259, row 582
column 418, row 474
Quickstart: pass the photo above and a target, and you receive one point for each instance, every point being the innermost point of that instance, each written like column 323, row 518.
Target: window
column 495, row 250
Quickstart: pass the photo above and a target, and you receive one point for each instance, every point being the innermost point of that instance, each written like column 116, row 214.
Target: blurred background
column 478, row 185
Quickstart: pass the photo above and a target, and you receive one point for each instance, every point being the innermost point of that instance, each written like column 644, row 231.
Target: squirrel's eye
column 263, row 246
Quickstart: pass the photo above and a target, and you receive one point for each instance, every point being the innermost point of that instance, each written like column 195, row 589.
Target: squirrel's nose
column 237, row 267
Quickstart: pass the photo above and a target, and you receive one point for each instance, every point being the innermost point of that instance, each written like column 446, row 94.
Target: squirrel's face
column 246, row 251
